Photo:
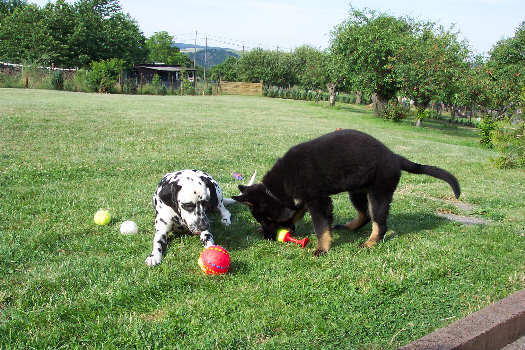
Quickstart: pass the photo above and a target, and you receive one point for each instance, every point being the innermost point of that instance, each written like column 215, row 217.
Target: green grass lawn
column 65, row 282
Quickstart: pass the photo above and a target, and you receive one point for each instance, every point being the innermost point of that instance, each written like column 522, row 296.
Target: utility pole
column 206, row 63
column 195, row 50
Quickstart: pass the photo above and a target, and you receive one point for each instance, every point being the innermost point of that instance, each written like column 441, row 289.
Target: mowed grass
column 67, row 283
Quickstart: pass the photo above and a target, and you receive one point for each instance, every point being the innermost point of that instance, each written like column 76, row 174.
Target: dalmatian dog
column 182, row 201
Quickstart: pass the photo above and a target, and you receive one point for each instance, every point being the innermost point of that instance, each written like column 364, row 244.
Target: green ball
column 102, row 217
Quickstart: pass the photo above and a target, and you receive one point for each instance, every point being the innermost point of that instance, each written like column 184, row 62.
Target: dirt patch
column 156, row 315
column 463, row 219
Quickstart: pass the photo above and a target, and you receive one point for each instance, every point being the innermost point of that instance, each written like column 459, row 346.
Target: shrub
column 486, row 127
column 11, row 80
column 187, row 87
column 130, row 86
column 78, row 82
column 155, row 82
column 509, row 139
column 393, row 111
column 104, row 74
column 57, row 80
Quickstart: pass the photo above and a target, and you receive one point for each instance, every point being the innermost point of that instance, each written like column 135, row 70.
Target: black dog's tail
column 439, row 173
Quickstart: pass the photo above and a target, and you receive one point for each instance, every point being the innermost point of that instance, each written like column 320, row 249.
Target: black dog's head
column 266, row 209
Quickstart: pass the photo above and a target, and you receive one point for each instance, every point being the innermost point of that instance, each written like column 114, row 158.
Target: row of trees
column 74, row 35
column 370, row 53
column 387, row 57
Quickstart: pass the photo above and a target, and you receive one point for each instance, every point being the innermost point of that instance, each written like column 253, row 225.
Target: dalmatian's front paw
column 226, row 220
column 153, row 260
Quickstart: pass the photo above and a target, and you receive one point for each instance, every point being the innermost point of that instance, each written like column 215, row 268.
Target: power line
column 199, row 38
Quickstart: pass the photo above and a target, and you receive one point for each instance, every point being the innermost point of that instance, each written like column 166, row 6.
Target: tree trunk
column 331, row 90
column 420, row 113
column 358, row 95
column 379, row 104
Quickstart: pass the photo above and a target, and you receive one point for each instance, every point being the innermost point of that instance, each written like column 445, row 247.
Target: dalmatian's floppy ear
column 169, row 194
column 213, row 192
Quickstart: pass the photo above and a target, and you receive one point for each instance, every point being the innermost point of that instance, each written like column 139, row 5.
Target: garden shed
column 170, row 76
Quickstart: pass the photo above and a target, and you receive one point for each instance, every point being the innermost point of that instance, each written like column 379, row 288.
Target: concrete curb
column 492, row 328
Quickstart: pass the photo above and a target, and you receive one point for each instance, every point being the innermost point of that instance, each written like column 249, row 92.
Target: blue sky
column 286, row 24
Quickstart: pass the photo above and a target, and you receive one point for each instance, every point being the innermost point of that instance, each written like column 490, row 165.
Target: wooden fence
column 239, row 88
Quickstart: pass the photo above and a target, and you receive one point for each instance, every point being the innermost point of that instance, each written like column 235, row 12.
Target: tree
column 7, row 7
column 362, row 48
column 226, row 70
column 312, row 68
column 161, row 49
column 473, row 89
column 102, row 32
column 57, row 25
column 21, row 35
column 69, row 35
column 506, row 69
column 428, row 65
column 272, row 67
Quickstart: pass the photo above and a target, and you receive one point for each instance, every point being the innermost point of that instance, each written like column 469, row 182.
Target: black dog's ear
column 168, row 194
column 242, row 188
column 242, row 198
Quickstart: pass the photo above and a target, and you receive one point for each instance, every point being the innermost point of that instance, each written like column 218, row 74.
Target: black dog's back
column 345, row 160
column 340, row 161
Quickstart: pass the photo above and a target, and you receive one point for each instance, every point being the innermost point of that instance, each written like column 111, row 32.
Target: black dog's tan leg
column 358, row 222
column 360, row 202
column 379, row 207
column 321, row 213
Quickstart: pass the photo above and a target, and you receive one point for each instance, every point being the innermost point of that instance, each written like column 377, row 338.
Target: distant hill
column 215, row 55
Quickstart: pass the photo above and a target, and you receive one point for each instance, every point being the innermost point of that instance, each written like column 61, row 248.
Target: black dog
column 305, row 177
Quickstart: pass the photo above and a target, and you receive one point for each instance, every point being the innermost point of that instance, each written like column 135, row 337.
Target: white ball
column 129, row 228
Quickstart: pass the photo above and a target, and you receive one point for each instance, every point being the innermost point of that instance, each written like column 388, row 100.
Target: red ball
column 214, row 260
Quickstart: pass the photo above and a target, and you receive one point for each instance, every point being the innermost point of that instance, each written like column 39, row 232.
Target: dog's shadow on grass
column 244, row 231
column 400, row 224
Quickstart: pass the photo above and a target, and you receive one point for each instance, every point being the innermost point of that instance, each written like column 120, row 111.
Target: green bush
column 187, row 87
column 486, row 127
column 57, row 80
column 305, row 95
column 11, row 80
column 393, row 111
column 156, row 83
column 508, row 138
column 130, row 86
column 104, row 74
column 77, row 82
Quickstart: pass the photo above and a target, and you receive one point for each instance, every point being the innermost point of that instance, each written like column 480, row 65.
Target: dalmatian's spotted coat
column 182, row 201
